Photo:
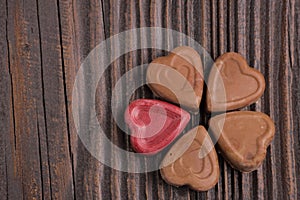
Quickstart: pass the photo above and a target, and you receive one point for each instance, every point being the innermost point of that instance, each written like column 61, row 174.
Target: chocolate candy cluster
column 242, row 136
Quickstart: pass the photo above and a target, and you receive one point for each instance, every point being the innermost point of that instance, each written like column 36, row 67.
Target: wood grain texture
column 42, row 45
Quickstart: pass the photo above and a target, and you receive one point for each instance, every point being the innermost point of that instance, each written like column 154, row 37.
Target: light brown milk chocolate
column 192, row 161
column 178, row 77
column 232, row 84
column 243, row 137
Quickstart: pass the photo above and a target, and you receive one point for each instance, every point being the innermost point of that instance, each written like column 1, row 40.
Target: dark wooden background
column 42, row 44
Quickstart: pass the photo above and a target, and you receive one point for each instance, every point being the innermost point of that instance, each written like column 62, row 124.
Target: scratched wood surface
column 43, row 43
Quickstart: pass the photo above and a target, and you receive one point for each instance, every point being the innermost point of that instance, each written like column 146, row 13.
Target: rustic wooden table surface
column 43, row 43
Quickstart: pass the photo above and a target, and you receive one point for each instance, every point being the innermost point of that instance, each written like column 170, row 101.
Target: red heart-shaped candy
column 154, row 124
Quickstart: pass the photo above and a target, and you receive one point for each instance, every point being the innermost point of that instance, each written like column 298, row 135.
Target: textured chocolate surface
column 243, row 137
column 178, row 77
column 192, row 161
column 233, row 84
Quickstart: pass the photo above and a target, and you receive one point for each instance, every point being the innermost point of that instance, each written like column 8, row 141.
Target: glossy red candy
column 154, row 124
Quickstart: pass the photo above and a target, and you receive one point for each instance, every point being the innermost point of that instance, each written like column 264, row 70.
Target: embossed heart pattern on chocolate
column 182, row 165
column 242, row 136
column 232, row 84
column 178, row 77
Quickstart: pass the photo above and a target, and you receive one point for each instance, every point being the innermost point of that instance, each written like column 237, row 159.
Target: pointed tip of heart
column 154, row 124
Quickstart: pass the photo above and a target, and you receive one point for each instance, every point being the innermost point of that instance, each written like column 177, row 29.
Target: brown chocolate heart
column 232, row 84
column 243, row 137
column 178, row 77
column 192, row 161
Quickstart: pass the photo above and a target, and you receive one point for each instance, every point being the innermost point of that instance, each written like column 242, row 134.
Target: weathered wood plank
column 5, row 103
column 60, row 176
column 25, row 62
column 294, row 45
column 285, row 108
column 81, row 30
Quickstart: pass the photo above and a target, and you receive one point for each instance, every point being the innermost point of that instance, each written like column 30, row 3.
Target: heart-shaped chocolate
column 192, row 161
column 178, row 77
column 232, row 84
column 154, row 124
column 243, row 137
